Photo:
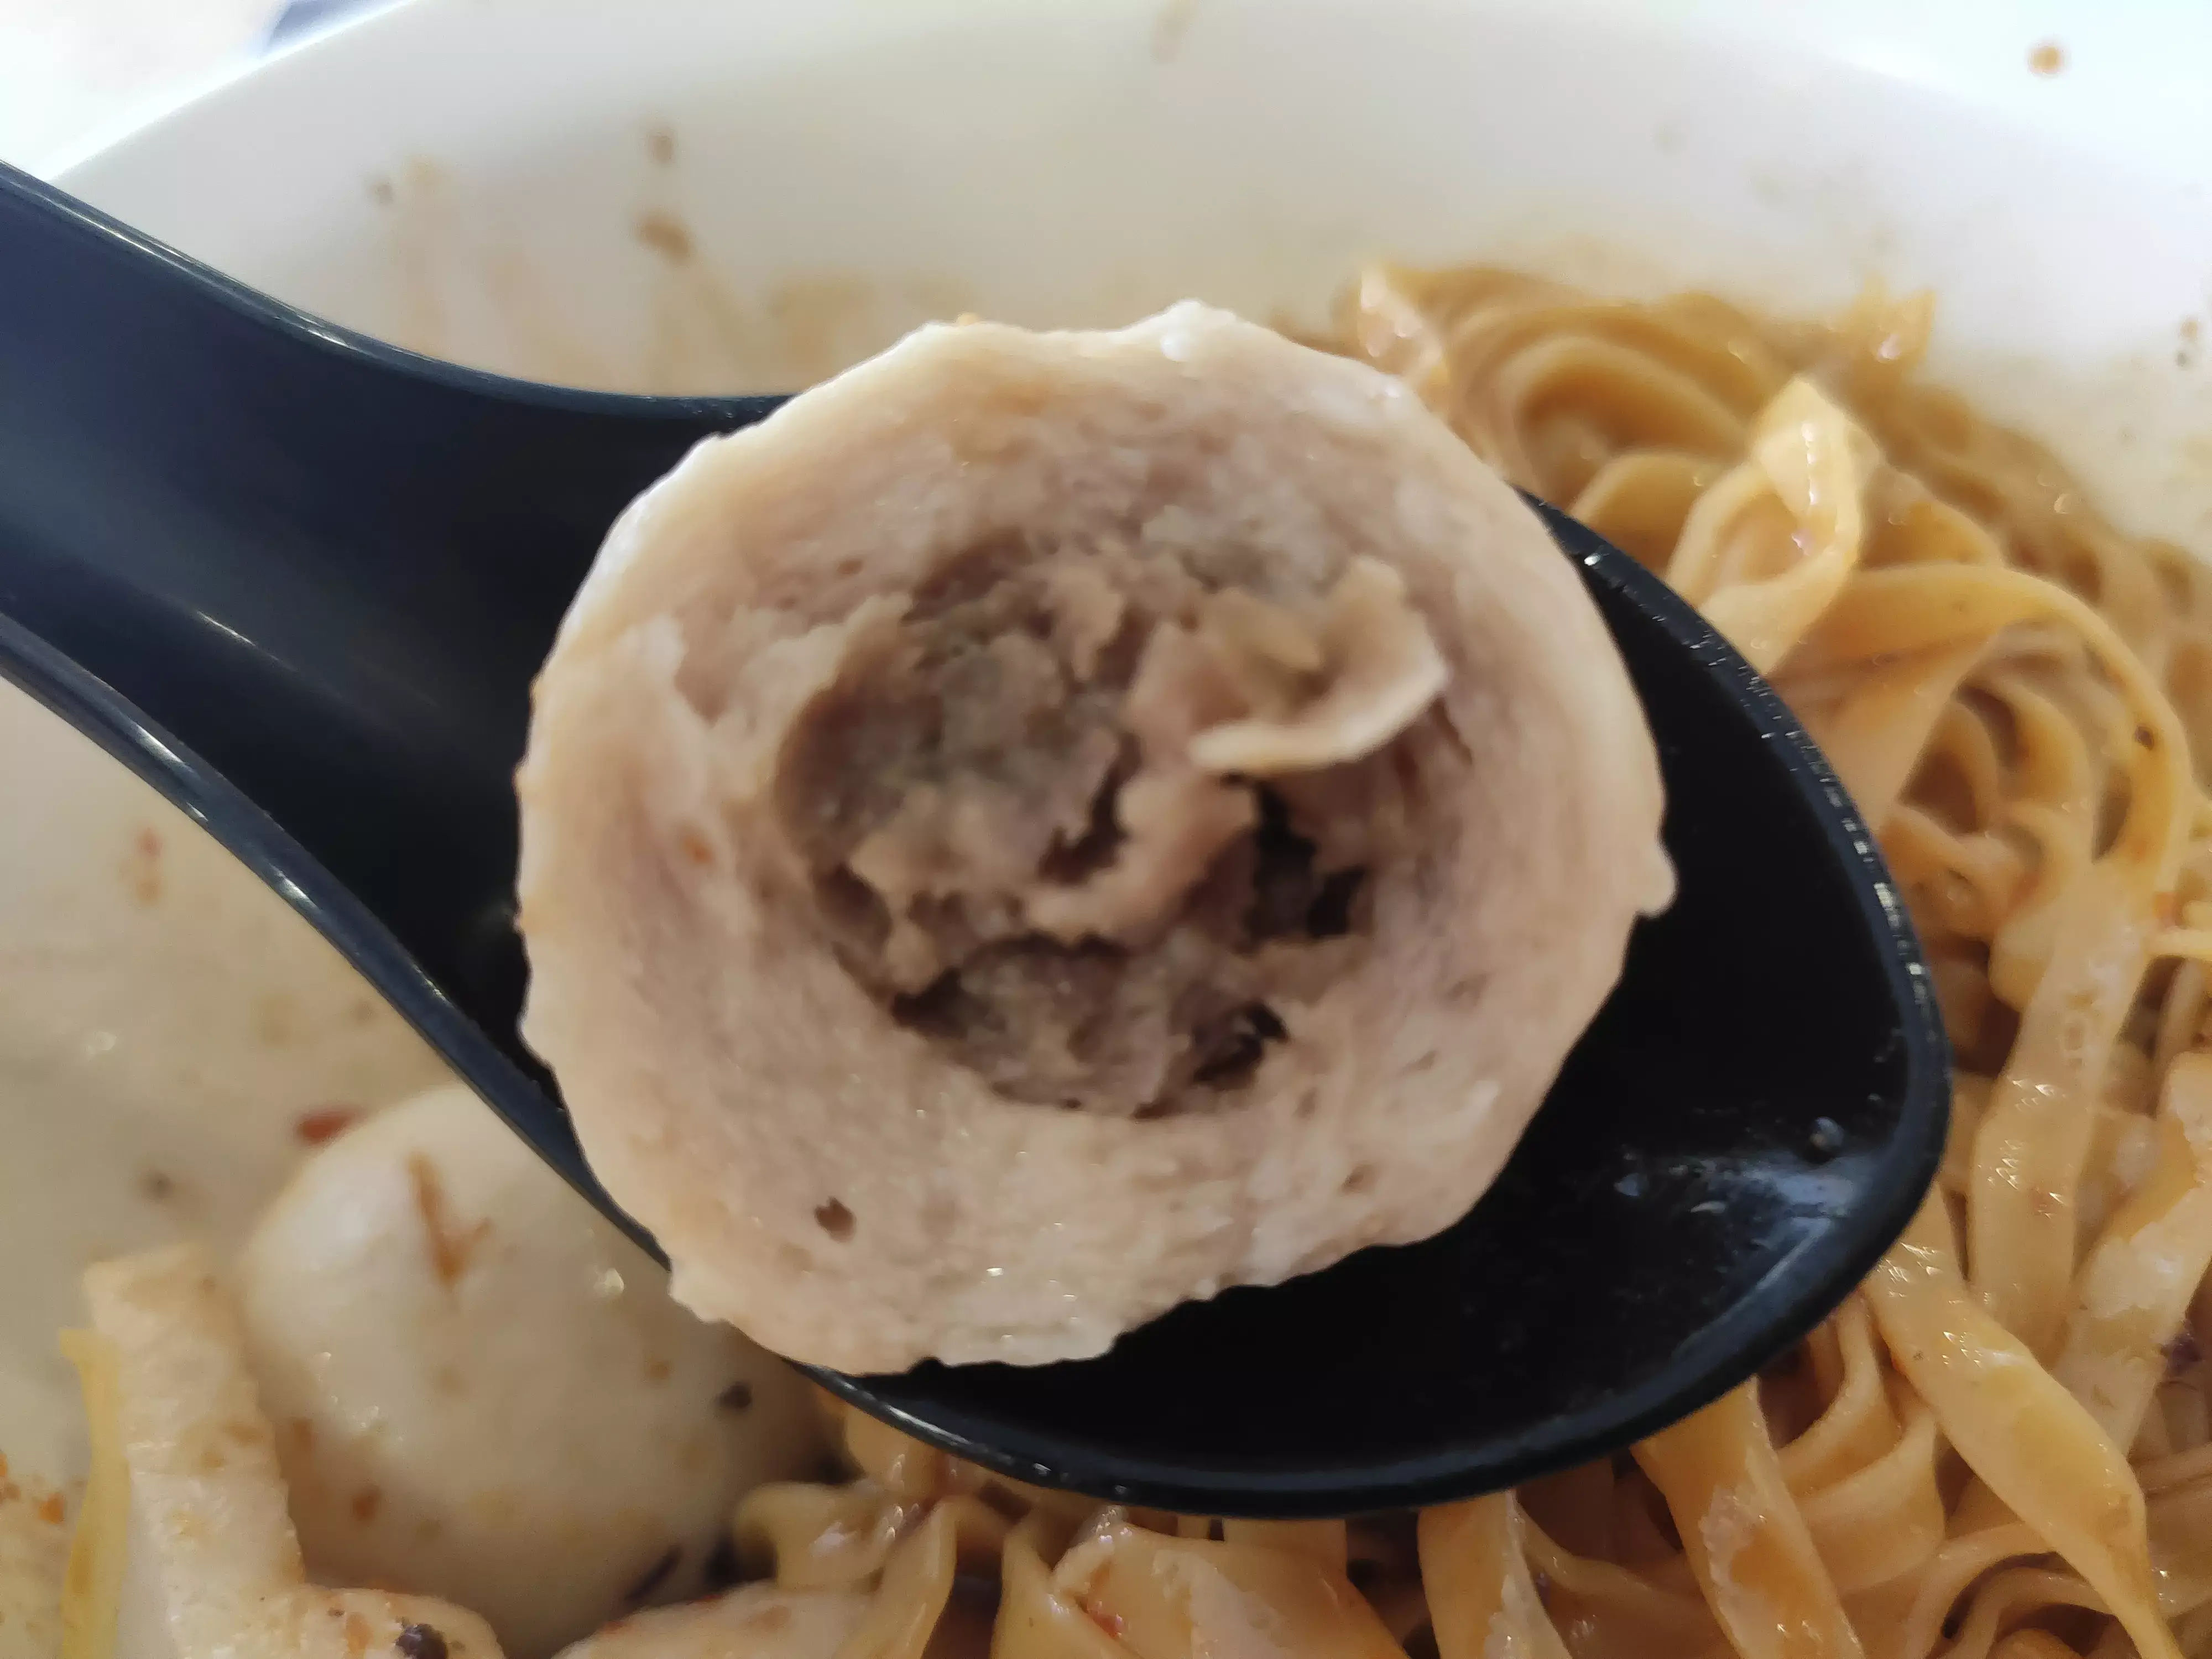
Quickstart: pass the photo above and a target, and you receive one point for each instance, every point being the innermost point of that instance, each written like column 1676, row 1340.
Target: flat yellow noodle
column 1858, row 1426
column 1614, row 1610
column 2032, row 1443
column 1745, row 1539
column 2135, row 1288
column 911, row 1597
column 2174, row 1469
column 2032, row 1643
column 2012, row 1596
column 1904, row 1619
column 1325, row 1542
column 1482, row 1598
column 1875, row 733
column 1173, row 1598
column 1638, row 501
column 1879, row 1521
column 2034, row 1136
column 1035, row 1621
column 818, row 1537
column 1816, row 463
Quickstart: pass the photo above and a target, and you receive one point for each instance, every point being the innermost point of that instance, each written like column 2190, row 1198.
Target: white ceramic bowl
column 707, row 194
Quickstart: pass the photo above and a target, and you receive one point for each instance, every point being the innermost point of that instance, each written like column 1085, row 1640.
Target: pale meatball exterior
column 482, row 1390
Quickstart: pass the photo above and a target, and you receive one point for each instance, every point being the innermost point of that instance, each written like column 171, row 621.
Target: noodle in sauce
column 2001, row 1446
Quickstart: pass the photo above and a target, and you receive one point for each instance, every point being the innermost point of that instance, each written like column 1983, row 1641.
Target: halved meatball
column 1049, row 826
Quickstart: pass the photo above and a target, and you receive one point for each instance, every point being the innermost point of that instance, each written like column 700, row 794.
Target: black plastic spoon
column 299, row 581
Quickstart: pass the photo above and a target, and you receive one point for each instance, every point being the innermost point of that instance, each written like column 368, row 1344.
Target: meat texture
column 1049, row 826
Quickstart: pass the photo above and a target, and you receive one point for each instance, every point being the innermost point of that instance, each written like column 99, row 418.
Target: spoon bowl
column 300, row 582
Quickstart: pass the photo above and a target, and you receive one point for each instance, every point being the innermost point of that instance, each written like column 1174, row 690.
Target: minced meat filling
column 1079, row 818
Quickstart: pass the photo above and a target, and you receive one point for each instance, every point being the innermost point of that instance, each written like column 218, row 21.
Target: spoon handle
column 299, row 581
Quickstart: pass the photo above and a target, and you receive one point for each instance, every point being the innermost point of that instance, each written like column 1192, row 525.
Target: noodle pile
column 2001, row 1443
